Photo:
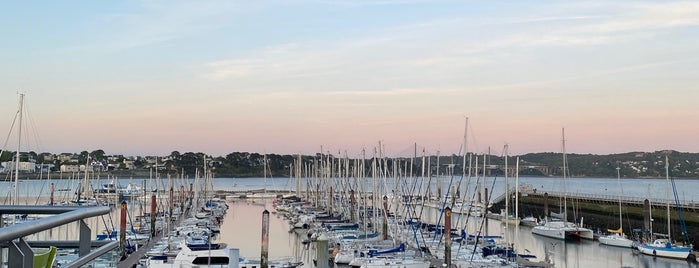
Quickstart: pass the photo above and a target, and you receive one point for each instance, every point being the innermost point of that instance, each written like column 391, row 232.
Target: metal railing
column 20, row 254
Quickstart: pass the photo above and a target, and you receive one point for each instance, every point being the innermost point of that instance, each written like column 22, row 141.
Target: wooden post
column 122, row 229
column 385, row 217
column 447, row 236
column 152, row 215
column 191, row 192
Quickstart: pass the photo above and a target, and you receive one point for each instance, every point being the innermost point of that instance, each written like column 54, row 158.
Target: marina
column 240, row 228
column 349, row 134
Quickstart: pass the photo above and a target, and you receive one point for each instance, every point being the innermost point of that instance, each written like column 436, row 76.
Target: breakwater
column 600, row 214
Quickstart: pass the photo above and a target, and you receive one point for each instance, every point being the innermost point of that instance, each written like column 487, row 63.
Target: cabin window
column 213, row 260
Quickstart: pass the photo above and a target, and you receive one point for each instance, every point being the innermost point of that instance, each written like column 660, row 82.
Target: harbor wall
column 602, row 215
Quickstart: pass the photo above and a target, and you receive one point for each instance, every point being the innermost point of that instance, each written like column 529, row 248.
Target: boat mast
column 507, row 194
column 463, row 165
column 618, row 178
column 667, row 195
column 19, row 143
column 517, row 197
column 565, row 186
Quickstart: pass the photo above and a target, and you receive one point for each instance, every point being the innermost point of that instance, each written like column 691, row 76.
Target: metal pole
column 322, row 256
column 53, row 188
column 352, row 201
column 265, row 239
column 330, row 202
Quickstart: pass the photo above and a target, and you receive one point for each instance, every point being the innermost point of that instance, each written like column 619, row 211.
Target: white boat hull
column 658, row 250
column 616, row 241
column 559, row 230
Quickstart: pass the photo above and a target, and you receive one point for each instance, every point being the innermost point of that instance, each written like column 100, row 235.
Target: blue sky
column 149, row 77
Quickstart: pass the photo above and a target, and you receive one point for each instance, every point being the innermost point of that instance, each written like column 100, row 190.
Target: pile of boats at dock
column 412, row 243
column 191, row 244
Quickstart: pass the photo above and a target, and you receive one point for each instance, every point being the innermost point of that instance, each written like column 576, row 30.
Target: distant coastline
column 246, row 165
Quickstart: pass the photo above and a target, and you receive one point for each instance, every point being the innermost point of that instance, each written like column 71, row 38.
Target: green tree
column 98, row 154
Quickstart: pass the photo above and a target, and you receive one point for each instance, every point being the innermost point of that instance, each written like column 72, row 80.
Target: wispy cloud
column 393, row 92
column 156, row 22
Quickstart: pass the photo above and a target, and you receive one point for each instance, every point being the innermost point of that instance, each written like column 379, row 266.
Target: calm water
column 241, row 229
column 653, row 188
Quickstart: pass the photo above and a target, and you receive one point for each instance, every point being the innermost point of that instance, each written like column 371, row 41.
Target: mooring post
column 485, row 210
column 330, row 202
column 447, row 236
column 152, row 215
column 385, row 217
column 191, row 192
column 322, row 256
column 122, row 229
column 234, row 258
column 53, row 188
column 546, row 205
column 352, row 201
column 264, row 253
column 647, row 221
column 172, row 203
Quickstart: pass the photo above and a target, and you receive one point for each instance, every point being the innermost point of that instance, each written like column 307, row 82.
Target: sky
column 287, row 77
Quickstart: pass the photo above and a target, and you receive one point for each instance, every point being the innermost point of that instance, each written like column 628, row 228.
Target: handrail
column 94, row 254
column 66, row 215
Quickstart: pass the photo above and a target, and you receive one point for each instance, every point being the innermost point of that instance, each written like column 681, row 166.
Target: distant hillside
column 634, row 164
column 245, row 164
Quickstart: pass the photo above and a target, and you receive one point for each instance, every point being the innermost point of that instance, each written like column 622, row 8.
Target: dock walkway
column 133, row 258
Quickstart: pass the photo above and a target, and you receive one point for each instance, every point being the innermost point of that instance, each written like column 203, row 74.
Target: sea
column 242, row 223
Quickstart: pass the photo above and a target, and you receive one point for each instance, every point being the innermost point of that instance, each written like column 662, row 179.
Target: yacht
column 563, row 230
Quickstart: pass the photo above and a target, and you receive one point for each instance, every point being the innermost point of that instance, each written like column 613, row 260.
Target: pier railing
column 21, row 254
column 685, row 204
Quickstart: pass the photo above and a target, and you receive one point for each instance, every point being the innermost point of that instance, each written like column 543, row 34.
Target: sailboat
column 562, row 229
column 264, row 194
column 663, row 247
column 617, row 237
column 506, row 217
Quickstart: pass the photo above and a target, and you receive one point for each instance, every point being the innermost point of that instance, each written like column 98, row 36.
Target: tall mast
column 667, row 195
column 463, row 165
column 19, row 143
column 507, row 190
column 565, row 186
column 618, row 179
column 517, row 196
column 298, row 175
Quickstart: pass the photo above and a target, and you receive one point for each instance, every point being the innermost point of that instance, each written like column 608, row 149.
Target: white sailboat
column 506, row 217
column 663, row 247
column 617, row 237
column 562, row 229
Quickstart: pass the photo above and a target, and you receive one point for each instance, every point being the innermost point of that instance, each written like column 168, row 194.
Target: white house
column 70, row 168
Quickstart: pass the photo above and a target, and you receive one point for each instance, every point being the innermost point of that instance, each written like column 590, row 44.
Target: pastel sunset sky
column 287, row 77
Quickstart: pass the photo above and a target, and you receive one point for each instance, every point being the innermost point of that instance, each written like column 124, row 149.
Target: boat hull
column 616, row 241
column 567, row 233
column 664, row 251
